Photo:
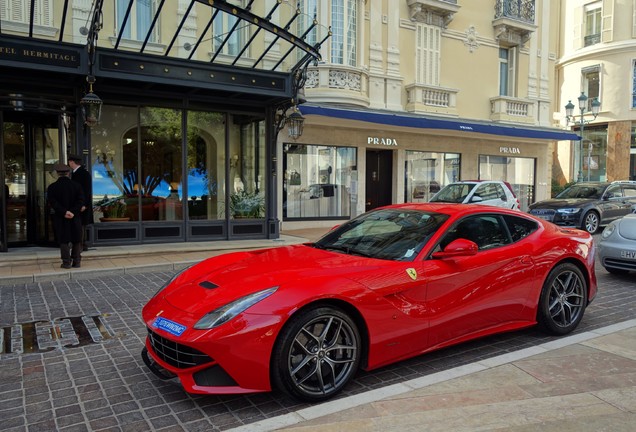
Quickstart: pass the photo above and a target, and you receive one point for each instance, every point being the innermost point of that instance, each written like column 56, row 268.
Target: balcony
column 437, row 12
column 426, row 99
column 506, row 109
column 337, row 84
column 514, row 21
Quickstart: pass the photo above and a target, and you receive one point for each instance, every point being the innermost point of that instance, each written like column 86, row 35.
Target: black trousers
column 71, row 253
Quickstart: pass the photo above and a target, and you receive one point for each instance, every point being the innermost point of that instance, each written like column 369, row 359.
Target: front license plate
column 628, row 254
column 170, row 326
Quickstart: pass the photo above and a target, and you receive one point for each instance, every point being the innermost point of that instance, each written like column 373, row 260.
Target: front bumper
column 617, row 254
column 561, row 219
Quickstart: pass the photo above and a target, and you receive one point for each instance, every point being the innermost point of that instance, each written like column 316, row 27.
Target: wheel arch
column 581, row 266
column 346, row 307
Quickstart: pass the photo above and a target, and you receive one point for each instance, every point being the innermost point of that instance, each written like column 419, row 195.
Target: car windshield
column 453, row 193
column 582, row 191
column 390, row 234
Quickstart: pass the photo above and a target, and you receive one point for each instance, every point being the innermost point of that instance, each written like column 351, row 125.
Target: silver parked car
column 617, row 248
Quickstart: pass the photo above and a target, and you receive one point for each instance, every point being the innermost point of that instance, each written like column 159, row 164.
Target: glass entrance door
column 31, row 147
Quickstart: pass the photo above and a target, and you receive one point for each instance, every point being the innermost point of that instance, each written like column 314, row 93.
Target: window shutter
column 18, row 11
column 607, row 26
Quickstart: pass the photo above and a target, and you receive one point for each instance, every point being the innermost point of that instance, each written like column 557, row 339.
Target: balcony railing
column 507, row 109
column 423, row 98
column 337, row 83
column 592, row 39
column 522, row 10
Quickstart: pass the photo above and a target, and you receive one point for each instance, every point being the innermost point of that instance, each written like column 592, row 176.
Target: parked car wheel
column 563, row 299
column 317, row 353
column 591, row 222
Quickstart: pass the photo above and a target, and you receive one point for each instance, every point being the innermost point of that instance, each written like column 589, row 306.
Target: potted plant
column 245, row 204
column 114, row 209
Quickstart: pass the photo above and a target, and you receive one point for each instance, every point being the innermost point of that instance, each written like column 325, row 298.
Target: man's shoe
column 77, row 265
column 66, row 266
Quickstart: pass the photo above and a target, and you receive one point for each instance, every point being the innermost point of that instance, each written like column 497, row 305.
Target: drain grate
column 43, row 336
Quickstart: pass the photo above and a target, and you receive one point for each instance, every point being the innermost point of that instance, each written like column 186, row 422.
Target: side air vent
column 209, row 285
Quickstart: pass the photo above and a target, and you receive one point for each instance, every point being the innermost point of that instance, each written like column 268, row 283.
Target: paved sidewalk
column 39, row 264
column 585, row 382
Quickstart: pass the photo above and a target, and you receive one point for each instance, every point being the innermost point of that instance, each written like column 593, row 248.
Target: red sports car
column 390, row 284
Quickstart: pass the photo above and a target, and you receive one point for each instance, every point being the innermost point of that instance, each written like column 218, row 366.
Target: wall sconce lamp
column 91, row 105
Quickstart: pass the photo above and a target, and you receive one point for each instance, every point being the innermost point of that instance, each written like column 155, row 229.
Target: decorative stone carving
column 471, row 39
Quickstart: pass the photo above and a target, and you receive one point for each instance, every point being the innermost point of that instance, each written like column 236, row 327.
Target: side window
column 487, row 231
column 500, row 192
column 629, row 191
column 489, row 191
column 520, row 227
column 614, row 192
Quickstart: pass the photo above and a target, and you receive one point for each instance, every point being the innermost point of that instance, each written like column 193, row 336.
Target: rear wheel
column 563, row 300
column 591, row 222
column 317, row 353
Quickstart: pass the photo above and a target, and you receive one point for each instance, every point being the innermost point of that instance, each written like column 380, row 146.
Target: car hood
column 627, row 227
column 220, row 280
column 556, row 203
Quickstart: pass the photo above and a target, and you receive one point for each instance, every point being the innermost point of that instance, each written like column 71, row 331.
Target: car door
column 470, row 294
column 490, row 194
column 614, row 204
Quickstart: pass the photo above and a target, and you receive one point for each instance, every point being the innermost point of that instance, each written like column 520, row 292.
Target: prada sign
column 15, row 51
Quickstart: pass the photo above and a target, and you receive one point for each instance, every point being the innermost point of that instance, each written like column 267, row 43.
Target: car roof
column 452, row 209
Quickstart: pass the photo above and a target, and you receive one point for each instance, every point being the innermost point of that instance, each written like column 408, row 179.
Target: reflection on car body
column 588, row 205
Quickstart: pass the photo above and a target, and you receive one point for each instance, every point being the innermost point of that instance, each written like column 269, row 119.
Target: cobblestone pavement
column 82, row 371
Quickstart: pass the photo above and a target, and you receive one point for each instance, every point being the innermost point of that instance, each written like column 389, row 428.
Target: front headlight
column 569, row 211
column 229, row 311
column 609, row 230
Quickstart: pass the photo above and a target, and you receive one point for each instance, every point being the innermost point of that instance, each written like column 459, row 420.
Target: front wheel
column 563, row 300
column 591, row 222
column 317, row 353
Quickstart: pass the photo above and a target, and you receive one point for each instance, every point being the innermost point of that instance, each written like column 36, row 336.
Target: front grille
column 176, row 354
column 620, row 263
column 543, row 214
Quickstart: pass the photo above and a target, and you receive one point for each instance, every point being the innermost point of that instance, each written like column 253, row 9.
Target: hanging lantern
column 91, row 105
column 295, row 123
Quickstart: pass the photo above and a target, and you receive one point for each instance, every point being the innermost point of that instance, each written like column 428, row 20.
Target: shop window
column 205, row 165
column 507, row 71
column 592, row 24
column 426, row 172
column 139, row 19
column 594, row 151
column 427, row 53
column 633, row 87
column 247, row 168
column 344, row 16
column 320, row 181
column 518, row 171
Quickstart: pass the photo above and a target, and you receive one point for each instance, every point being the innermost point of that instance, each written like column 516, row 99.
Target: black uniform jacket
column 83, row 178
column 64, row 195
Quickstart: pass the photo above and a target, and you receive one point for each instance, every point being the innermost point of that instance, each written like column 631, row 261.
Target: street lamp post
column 570, row 118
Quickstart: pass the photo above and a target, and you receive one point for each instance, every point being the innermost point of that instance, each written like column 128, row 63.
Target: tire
column 563, row 300
column 591, row 222
column 317, row 353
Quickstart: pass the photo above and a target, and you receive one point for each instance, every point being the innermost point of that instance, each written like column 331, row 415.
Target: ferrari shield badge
column 412, row 273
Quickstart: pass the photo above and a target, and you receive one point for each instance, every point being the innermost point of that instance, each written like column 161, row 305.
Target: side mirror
column 456, row 248
column 476, row 199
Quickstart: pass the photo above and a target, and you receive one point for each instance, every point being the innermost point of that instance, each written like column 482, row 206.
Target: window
column 139, row 19
column 344, row 32
column 591, row 85
column 19, row 12
column 507, row 71
column 487, row 231
column 222, row 25
column 517, row 171
column 427, row 54
column 426, row 172
column 592, row 24
column 319, row 181
column 490, row 191
column 520, row 227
